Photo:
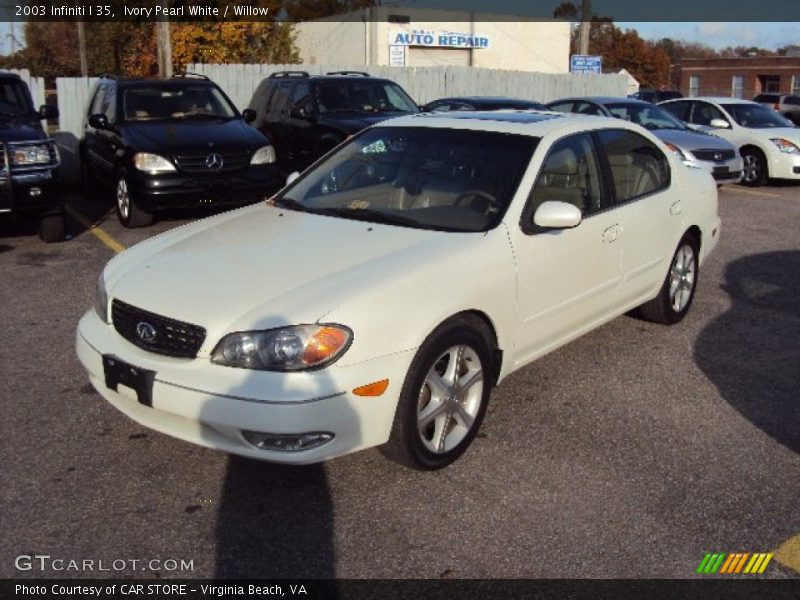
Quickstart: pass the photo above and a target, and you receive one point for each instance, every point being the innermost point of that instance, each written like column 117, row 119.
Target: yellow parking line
column 751, row 192
column 788, row 553
column 95, row 229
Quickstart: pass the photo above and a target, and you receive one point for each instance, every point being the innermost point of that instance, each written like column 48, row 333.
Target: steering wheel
column 492, row 205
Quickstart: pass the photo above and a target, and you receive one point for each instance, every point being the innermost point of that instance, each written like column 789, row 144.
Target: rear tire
column 755, row 168
column 128, row 212
column 677, row 293
column 52, row 228
column 444, row 396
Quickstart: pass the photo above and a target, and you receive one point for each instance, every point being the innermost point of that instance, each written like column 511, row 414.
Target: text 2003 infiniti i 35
column 379, row 296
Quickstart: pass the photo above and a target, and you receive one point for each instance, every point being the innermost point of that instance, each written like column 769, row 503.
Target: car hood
column 788, row 133
column 20, row 130
column 192, row 135
column 353, row 122
column 222, row 272
column 693, row 140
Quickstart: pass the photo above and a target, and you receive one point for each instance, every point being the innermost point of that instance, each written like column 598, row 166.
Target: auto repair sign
column 439, row 39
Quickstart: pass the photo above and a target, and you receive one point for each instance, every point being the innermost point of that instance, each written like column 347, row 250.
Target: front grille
column 712, row 155
column 172, row 338
column 197, row 163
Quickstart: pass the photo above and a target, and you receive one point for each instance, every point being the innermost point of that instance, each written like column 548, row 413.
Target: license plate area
column 140, row 380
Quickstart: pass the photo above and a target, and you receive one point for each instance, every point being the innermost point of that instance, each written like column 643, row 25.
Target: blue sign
column 584, row 63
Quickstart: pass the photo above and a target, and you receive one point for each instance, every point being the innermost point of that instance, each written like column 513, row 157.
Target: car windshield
column 423, row 177
column 14, row 99
column 756, row 116
column 649, row 117
column 370, row 96
column 156, row 102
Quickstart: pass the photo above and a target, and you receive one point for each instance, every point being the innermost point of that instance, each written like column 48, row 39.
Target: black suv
column 172, row 143
column 306, row 116
column 28, row 160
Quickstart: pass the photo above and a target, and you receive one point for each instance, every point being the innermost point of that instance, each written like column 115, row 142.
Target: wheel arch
column 494, row 342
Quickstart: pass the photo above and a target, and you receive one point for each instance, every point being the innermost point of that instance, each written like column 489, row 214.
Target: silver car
column 717, row 156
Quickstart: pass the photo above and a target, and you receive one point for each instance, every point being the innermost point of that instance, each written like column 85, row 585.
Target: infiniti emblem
column 214, row 161
column 146, row 332
column 718, row 156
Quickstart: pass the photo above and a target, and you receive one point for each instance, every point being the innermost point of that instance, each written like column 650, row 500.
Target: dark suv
column 172, row 143
column 28, row 160
column 306, row 116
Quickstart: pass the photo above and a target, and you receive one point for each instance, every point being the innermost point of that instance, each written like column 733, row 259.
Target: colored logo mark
column 739, row 562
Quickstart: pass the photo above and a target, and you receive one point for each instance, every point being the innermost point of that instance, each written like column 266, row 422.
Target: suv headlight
column 30, row 155
column 100, row 301
column 264, row 156
column 152, row 163
column 785, row 146
column 295, row 348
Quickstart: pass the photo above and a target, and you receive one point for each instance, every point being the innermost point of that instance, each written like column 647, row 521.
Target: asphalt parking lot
column 628, row 453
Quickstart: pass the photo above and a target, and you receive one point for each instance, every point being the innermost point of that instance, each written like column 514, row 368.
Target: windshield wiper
column 291, row 204
column 368, row 214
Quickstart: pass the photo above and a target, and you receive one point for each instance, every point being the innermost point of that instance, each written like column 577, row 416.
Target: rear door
column 648, row 208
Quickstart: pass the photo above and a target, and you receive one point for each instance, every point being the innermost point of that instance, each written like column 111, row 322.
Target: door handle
column 611, row 233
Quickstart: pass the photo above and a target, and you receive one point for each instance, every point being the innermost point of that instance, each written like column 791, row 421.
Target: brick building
column 740, row 77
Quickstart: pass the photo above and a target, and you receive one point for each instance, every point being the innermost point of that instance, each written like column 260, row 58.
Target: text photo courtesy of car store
column 392, row 36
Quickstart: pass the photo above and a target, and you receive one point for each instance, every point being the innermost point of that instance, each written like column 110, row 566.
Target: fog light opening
column 287, row 442
column 35, row 191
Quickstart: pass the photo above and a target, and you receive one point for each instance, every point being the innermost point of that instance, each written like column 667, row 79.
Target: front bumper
column 162, row 192
column 30, row 192
column 729, row 171
column 210, row 405
column 784, row 166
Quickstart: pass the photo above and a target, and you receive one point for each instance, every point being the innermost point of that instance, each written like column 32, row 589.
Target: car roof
column 523, row 122
column 716, row 99
column 133, row 81
column 485, row 100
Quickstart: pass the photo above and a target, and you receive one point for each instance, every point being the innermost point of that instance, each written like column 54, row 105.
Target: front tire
column 677, row 293
column 128, row 212
column 755, row 168
column 444, row 396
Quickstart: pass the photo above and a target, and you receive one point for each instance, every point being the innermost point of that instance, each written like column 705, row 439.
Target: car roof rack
column 191, row 74
column 351, row 73
column 280, row 74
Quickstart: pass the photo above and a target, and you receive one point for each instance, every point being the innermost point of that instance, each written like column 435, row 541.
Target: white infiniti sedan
column 377, row 299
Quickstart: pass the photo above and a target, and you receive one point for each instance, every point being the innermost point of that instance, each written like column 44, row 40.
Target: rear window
column 370, row 96
column 766, row 98
column 793, row 100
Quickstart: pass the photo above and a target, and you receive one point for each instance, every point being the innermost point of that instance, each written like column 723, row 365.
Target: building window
column 795, row 85
column 694, row 85
column 770, row 84
column 737, row 86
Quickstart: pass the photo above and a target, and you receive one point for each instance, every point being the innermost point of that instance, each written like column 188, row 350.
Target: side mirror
column 48, row 112
column 557, row 215
column 249, row 115
column 719, row 124
column 292, row 176
column 98, row 121
column 299, row 112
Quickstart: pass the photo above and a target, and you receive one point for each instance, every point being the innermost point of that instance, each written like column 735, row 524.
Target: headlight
column 30, row 155
column 264, row 156
column 785, row 146
column 296, row 348
column 101, row 299
column 684, row 156
column 152, row 163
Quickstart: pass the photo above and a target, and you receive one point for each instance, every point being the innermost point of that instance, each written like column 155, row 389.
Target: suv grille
column 198, row 163
column 172, row 338
column 711, row 155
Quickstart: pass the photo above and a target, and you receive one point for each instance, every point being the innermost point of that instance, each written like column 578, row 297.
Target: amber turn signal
column 326, row 342
column 375, row 388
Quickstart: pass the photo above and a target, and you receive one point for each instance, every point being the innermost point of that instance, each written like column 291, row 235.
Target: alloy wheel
column 123, row 199
column 682, row 278
column 450, row 399
column 752, row 168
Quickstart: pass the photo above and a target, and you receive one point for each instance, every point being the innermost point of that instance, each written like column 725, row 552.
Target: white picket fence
column 422, row 83
column 429, row 83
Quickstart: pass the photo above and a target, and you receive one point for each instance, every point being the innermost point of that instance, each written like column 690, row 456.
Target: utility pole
column 164, row 47
column 586, row 26
column 82, row 50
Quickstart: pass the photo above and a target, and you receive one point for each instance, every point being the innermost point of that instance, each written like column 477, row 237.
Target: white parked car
column 768, row 142
column 379, row 297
